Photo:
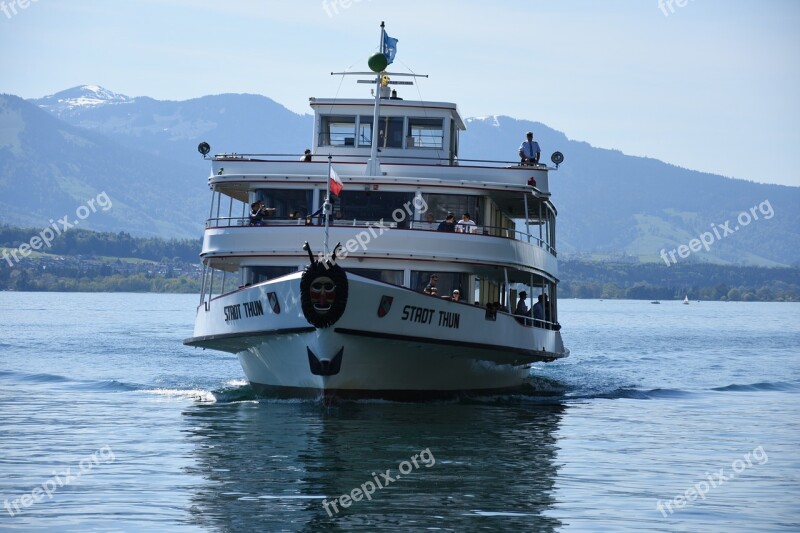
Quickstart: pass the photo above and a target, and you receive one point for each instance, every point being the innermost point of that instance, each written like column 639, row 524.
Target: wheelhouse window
column 337, row 130
column 425, row 133
column 364, row 130
column 390, row 134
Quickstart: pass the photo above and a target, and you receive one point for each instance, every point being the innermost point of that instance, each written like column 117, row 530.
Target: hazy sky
column 710, row 85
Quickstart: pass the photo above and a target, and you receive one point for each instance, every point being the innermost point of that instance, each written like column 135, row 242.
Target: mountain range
column 57, row 152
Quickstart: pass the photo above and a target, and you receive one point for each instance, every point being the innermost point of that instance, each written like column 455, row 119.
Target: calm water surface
column 108, row 423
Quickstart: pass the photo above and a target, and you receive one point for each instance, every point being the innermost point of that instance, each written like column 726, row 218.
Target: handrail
column 528, row 322
column 414, row 225
column 324, row 159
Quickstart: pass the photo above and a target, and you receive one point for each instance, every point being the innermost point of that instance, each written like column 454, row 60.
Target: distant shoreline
column 88, row 261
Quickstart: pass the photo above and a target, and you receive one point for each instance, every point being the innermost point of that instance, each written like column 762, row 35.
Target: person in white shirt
column 529, row 151
column 466, row 225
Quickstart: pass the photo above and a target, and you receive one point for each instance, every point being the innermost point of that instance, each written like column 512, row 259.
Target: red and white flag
column 335, row 182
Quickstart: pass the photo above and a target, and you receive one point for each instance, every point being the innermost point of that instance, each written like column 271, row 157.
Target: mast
column 373, row 166
column 326, row 206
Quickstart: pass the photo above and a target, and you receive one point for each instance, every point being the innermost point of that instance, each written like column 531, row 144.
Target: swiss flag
column 336, row 182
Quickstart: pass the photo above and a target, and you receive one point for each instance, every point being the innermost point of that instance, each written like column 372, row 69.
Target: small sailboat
column 686, row 300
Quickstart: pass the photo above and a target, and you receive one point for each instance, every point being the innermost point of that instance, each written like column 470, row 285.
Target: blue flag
column 389, row 47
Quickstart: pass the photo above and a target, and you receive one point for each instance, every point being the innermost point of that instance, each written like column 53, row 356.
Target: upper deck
column 353, row 168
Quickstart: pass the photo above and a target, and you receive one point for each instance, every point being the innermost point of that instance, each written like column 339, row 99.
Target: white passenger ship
column 357, row 321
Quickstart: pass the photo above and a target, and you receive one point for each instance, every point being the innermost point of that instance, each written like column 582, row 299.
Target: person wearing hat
column 529, row 151
column 456, row 295
column 448, row 224
column 522, row 309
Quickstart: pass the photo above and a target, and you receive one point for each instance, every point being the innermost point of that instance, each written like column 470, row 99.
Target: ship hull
column 385, row 341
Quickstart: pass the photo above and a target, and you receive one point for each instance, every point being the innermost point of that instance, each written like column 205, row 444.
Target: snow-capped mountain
column 80, row 98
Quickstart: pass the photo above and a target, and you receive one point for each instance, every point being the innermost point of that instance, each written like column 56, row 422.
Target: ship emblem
column 323, row 294
column 385, row 306
column 323, row 291
column 274, row 303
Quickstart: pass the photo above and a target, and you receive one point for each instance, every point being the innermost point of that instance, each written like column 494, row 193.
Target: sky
column 709, row 85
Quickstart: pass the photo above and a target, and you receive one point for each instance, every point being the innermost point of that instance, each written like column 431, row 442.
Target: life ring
column 323, row 293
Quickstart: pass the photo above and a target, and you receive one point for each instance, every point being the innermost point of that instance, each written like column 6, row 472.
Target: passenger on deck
column 538, row 312
column 466, row 224
column 430, row 288
column 522, row 309
column 548, row 317
column 306, row 156
column 258, row 212
column 529, row 151
column 491, row 311
column 456, row 296
column 448, row 224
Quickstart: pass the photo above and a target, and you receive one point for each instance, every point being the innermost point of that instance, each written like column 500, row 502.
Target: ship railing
column 389, row 159
column 529, row 322
column 414, row 225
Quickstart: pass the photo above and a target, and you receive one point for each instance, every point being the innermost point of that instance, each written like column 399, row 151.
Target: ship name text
column 425, row 315
column 234, row 312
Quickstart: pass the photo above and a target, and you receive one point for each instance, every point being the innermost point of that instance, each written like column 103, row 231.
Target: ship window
column 375, row 205
column 391, row 132
column 441, row 204
column 395, row 277
column 337, row 131
column 257, row 274
column 447, row 283
column 364, row 131
column 425, row 133
column 286, row 201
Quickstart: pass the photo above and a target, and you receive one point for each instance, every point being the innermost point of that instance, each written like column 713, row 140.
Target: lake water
column 664, row 418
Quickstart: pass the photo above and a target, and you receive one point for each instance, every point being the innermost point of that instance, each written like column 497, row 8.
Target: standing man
column 431, row 288
column 538, row 312
column 529, row 151
column 521, row 310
